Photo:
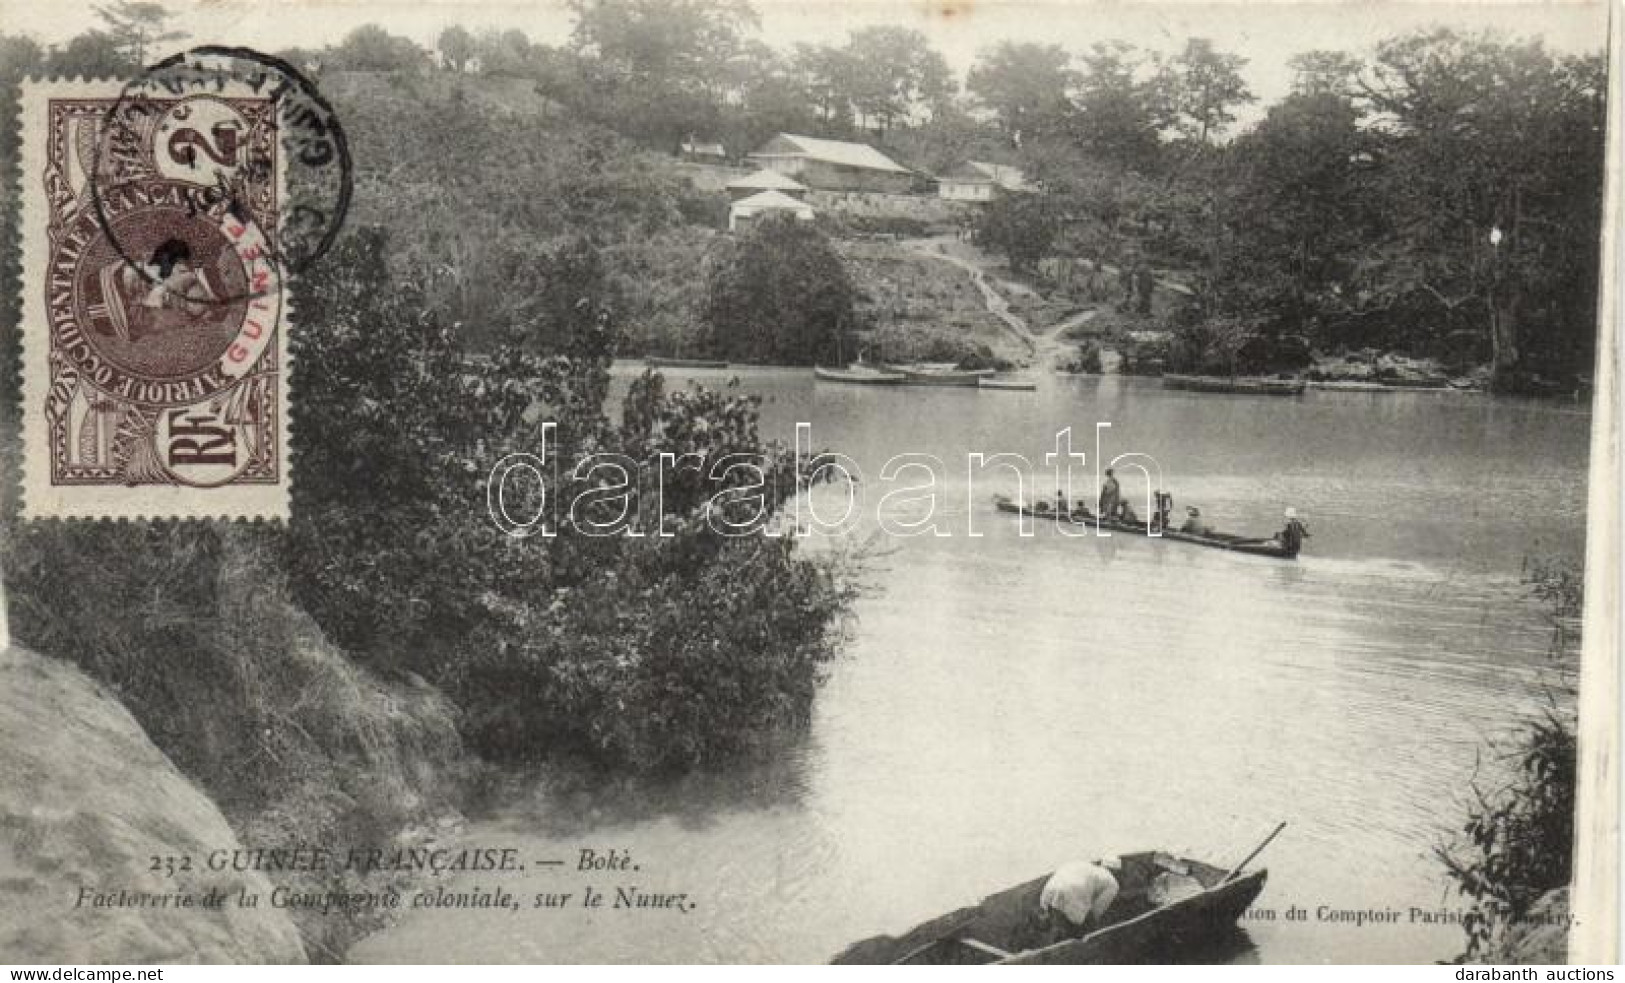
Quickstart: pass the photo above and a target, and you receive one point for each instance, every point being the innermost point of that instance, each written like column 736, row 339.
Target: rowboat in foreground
column 1010, row 383
column 1165, row 904
column 927, row 374
column 1214, row 540
column 655, row 362
column 860, row 374
column 1233, row 384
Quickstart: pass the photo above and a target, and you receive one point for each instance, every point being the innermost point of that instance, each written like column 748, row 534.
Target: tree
column 1021, row 82
column 1023, row 227
column 663, row 42
column 1492, row 172
column 137, row 27
column 19, row 55
column 821, row 71
column 780, row 297
column 1300, row 208
column 370, row 48
column 93, row 54
column 659, row 69
column 456, row 47
column 1201, row 87
column 1114, row 115
column 1333, row 73
column 507, row 52
column 892, row 75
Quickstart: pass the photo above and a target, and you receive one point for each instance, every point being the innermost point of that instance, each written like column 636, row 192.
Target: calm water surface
column 1008, row 703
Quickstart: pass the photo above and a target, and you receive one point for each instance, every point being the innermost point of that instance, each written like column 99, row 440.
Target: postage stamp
column 155, row 356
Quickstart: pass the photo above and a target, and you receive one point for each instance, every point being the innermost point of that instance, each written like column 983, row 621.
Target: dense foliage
column 652, row 651
column 780, row 295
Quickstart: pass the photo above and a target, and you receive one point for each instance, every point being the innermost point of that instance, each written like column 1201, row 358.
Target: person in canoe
column 1110, row 496
column 1075, row 898
column 1291, row 538
column 1194, row 524
column 1165, row 505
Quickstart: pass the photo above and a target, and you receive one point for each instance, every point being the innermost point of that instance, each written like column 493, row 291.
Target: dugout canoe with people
column 1120, row 517
column 1121, row 909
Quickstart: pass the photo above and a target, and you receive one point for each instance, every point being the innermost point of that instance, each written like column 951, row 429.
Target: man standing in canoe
column 1110, row 494
column 1292, row 537
column 1075, row 898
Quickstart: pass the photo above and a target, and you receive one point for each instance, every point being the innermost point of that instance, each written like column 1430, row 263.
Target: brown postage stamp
column 155, row 358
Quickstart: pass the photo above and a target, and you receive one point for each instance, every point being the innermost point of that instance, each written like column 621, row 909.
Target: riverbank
column 284, row 737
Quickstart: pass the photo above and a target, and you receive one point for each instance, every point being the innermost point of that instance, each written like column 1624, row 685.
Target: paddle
column 1249, row 858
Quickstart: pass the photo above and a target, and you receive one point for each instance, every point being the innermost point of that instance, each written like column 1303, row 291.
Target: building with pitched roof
column 976, row 180
column 833, row 165
column 766, row 180
column 747, row 210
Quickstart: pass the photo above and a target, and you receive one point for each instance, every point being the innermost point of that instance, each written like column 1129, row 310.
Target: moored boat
column 1233, row 384
column 1216, row 540
column 656, row 362
column 1165, row 904
column 939, row 375
column 860, row 374
column 1010, row 383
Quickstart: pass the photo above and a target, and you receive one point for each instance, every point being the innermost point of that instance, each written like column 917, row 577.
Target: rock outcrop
column 86, row 803
column 1541, row 938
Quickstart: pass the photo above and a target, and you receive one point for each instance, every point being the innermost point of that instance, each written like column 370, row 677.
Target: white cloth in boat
column 1079, row 889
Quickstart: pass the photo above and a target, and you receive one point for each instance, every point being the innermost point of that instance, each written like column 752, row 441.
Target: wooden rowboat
column 1009, row 383
column 1233, row 384
column 1216, row 540
column 859, row 374
column 1165, row 907
column 655, row 362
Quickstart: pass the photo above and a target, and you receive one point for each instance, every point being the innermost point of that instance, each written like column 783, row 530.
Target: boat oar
column 1249, row 858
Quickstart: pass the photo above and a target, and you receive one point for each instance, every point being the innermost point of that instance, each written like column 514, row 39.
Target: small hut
column 765, row 180
column 747, row 210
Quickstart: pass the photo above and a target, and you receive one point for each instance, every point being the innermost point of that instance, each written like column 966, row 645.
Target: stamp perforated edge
column 38, row 498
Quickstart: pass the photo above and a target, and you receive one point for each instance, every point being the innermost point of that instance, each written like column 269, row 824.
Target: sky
column 1265, row 33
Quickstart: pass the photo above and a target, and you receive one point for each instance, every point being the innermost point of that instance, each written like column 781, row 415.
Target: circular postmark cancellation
column 247, row 135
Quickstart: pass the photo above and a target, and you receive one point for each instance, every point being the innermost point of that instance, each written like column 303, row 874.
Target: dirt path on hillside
column 995, row 302
column 1049, row 348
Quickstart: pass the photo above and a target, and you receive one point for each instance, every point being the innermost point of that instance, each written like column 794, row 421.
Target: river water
column 1006, row 703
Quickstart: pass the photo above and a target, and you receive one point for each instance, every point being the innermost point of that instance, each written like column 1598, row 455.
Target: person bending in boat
column 1195, row 525
column 1075, row 898
column 1291, row 538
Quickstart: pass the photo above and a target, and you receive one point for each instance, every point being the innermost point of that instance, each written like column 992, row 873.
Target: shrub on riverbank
column 1520, row 838
column 778, row 295
column 643, row 652
column 1085, row 360
column 907, row 343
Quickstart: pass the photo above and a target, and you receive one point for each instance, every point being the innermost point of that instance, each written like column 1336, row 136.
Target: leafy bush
column 779, row 295
column 895, row 342
column 1085, row 359
column 1520, row 838
column 647, row 652
column 1022, row 227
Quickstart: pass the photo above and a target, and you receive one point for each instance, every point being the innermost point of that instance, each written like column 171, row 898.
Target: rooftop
column 859, row 155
